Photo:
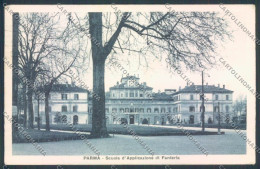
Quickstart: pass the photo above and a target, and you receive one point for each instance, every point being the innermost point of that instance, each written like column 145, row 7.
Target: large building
column 66, row 101
column 133, row 102
column 188, row 102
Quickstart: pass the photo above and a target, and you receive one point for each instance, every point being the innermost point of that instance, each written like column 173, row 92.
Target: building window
column 136, row 94
column 114, row 110
column 121, row 110
column 216, row 97
column 215, row 108
column 141, row 110
column 64, row 108
column 132, row 94
column 126, row 109
column 76, row 96
column 131, row 110
column 192, row 109
column 122, row 95
column 162, row 110
column 169, row 110
column 136, row 110
column 64, row 96
column 141, row 95
column 75, row 120
column 227, row 109
column 227, row 97
column 148, row 110
column 175, row 98
column 191, row 97
column 75, row 108
column 126, row 94
column 156, row 110
column 114, row 95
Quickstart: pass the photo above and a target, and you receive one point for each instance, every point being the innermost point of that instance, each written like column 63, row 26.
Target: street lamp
column 218, row 119
column 202, row 104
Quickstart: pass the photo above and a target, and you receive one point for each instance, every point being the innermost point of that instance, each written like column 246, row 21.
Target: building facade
column 188, row 102
column 135, row 103
column 132, row 102
column 67, row 102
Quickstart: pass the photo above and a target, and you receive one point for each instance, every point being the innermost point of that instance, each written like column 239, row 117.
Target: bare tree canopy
column 34, row 43
column 47, row 50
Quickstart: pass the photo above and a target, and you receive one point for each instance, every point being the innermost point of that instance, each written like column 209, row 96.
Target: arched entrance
column 75, row 119
column 210, row 120
column 156, row 120
column 132, row 119
column 162, row 121
column 191, row 121
column 145, row 121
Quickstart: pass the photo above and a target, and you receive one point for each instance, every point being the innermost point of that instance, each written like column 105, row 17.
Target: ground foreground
column 230, row 143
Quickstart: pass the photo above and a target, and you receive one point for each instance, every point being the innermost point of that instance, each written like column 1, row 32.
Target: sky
column 238, row 52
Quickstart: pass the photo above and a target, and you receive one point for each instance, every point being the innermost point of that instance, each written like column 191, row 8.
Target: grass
column 142, row 130
column 138, row 130
column 44, row 136
column 223, row 125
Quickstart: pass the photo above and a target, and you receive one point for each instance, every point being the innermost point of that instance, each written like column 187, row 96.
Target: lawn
column 44, row 136
column 141, row 130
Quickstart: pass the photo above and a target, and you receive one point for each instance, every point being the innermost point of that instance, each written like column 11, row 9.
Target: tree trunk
column 38, row 120
column 24, row 106
column 15, row 61
column 30, row 108
column 99, row 129
column 47, row 111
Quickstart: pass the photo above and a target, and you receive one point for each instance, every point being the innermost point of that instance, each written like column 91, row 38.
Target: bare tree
column 187, row 39
column 240, row 106
column 34, row 43
column 57, row 64
column 50, row 78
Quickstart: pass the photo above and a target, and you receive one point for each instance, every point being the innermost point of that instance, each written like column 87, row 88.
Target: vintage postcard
column 130, row 84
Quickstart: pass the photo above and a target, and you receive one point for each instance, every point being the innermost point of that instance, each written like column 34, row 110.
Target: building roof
column 161, row 96
column 122, row 86
column 130, row 77
column 67, row 88
column 207, row 89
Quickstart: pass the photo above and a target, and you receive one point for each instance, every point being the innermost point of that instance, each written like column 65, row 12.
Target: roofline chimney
column 223, row 86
